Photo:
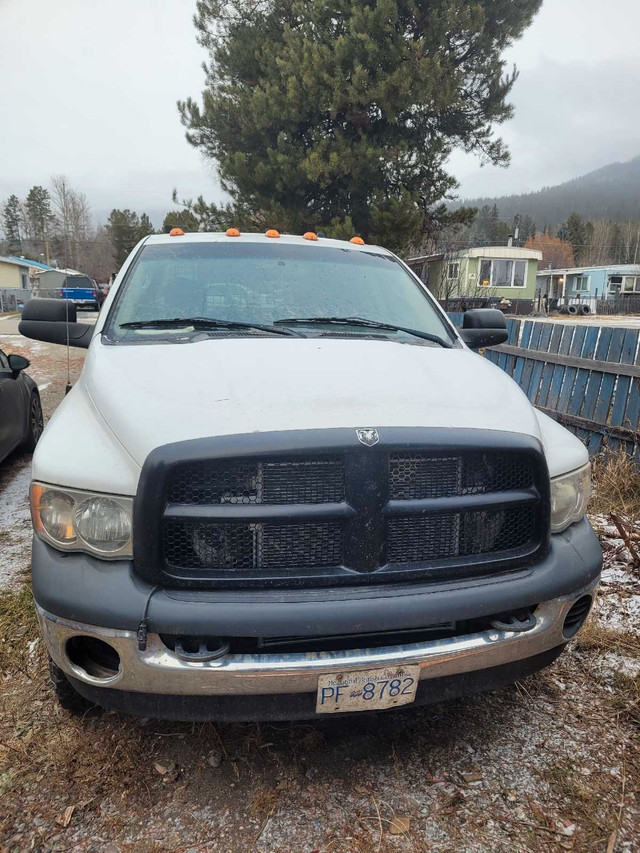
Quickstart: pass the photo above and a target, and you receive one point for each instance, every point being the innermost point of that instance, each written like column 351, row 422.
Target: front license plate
column 371, row 690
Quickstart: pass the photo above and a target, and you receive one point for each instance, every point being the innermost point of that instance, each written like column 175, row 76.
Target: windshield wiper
column 361, row 321
column 206, row 323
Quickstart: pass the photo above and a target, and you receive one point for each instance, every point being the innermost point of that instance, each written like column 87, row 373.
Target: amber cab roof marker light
column 272, row 233
column 233, row 232
column 310, row 235
column 357, row 240
column 176, row 232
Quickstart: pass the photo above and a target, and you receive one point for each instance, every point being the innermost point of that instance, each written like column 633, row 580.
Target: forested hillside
column 612, row 192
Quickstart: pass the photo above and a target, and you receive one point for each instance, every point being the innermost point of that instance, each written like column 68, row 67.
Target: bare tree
column 73, row 219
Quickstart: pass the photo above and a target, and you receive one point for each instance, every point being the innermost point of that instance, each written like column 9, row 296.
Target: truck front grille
column 247, row 481
column 240, row 547
column 414, row 539
column 418, row 475
column 341, row 515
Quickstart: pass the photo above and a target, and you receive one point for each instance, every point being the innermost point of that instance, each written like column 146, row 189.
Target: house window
column 24, row 280
column 453, row 270
column 581, row 283
column 631, row 284
column 502, row 273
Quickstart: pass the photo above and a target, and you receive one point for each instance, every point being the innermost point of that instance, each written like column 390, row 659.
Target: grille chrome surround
column 317, row 508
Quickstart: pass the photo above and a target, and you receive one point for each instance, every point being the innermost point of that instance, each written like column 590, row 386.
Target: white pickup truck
column 286, row 486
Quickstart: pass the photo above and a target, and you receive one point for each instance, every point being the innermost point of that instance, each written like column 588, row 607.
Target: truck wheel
column 67, row 696
column 36, row 423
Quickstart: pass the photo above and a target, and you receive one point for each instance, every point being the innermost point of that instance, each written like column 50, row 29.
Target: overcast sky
column 88, row 89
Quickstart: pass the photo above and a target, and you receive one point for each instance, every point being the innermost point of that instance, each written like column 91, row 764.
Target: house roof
column 490, row 252
column 28, row 262
column 18, row 262
column 615, row 269
column 65, row 271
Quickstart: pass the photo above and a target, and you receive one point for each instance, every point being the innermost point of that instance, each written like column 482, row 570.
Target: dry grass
column 18, row 628
column 616, row 486
column 596, row 637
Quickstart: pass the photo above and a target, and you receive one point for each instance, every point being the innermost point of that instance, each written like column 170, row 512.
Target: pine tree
column 339, row 115
column 123, row 228
column 146, row 227
column 39, row 213
column 184, row 219
column 12, row 223
column 577, row 236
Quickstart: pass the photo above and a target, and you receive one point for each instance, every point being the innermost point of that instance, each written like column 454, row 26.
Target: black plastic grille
column 415, row 476
column 243, row 547
column 316, row 517
column 429, row 538
column 238, row 481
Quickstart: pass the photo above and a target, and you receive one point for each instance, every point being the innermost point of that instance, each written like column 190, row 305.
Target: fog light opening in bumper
column 576, row 616
column 94, row 657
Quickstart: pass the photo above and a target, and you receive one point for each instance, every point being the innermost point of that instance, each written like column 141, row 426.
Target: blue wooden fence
column 585, row 377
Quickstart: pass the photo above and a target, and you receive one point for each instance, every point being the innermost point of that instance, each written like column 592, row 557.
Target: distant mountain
column 612, row 192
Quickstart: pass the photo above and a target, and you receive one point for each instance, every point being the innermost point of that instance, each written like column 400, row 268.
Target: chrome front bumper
column 158, row 670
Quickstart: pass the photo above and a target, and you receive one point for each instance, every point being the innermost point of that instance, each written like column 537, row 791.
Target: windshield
column 257, row 283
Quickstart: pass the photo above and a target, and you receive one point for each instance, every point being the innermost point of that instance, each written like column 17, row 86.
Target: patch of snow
column 620, row 612
column 617, row 663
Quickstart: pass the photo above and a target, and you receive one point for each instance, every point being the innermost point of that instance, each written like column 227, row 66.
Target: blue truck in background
column 82, row 290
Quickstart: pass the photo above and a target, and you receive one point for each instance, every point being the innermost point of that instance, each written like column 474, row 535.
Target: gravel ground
column 550, row 764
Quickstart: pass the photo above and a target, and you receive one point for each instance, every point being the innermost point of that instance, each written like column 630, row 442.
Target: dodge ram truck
column 285, row 486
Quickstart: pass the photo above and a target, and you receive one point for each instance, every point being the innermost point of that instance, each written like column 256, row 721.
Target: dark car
column 21, row 421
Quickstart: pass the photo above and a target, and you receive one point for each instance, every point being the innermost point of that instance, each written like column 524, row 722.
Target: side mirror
column 55, row 322
column 18, row 363
column 483, row 327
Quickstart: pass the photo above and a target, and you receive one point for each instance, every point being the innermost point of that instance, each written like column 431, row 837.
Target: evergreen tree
column 12, row 223
column 339, row 115
column 494, row 224
column 185, row 219
column 39, row 213
column 577, row 235
column 146, row 227
column 123, row 228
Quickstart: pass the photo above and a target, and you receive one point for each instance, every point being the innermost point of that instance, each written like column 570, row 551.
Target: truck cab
column 295, row 489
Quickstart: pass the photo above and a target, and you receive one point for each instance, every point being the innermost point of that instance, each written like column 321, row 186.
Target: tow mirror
column 55, row 322
column 18, row 363
column 483, row 327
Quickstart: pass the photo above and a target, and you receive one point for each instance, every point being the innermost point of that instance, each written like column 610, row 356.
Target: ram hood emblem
column 368, row 436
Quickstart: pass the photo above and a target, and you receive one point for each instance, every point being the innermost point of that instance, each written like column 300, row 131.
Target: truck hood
column 150, row 395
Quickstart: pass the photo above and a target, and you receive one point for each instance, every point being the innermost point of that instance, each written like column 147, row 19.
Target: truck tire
column 67, row 696
column 584, row 310
column 36, row 423
column 573, row 309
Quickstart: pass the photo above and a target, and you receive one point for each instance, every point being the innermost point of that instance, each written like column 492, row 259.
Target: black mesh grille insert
column 243, row 547
column 414, row 476
column 242, row 481
column 428, row 538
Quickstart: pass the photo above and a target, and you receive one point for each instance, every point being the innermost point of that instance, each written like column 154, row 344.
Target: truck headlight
column 74, row 520
column 570, row 495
